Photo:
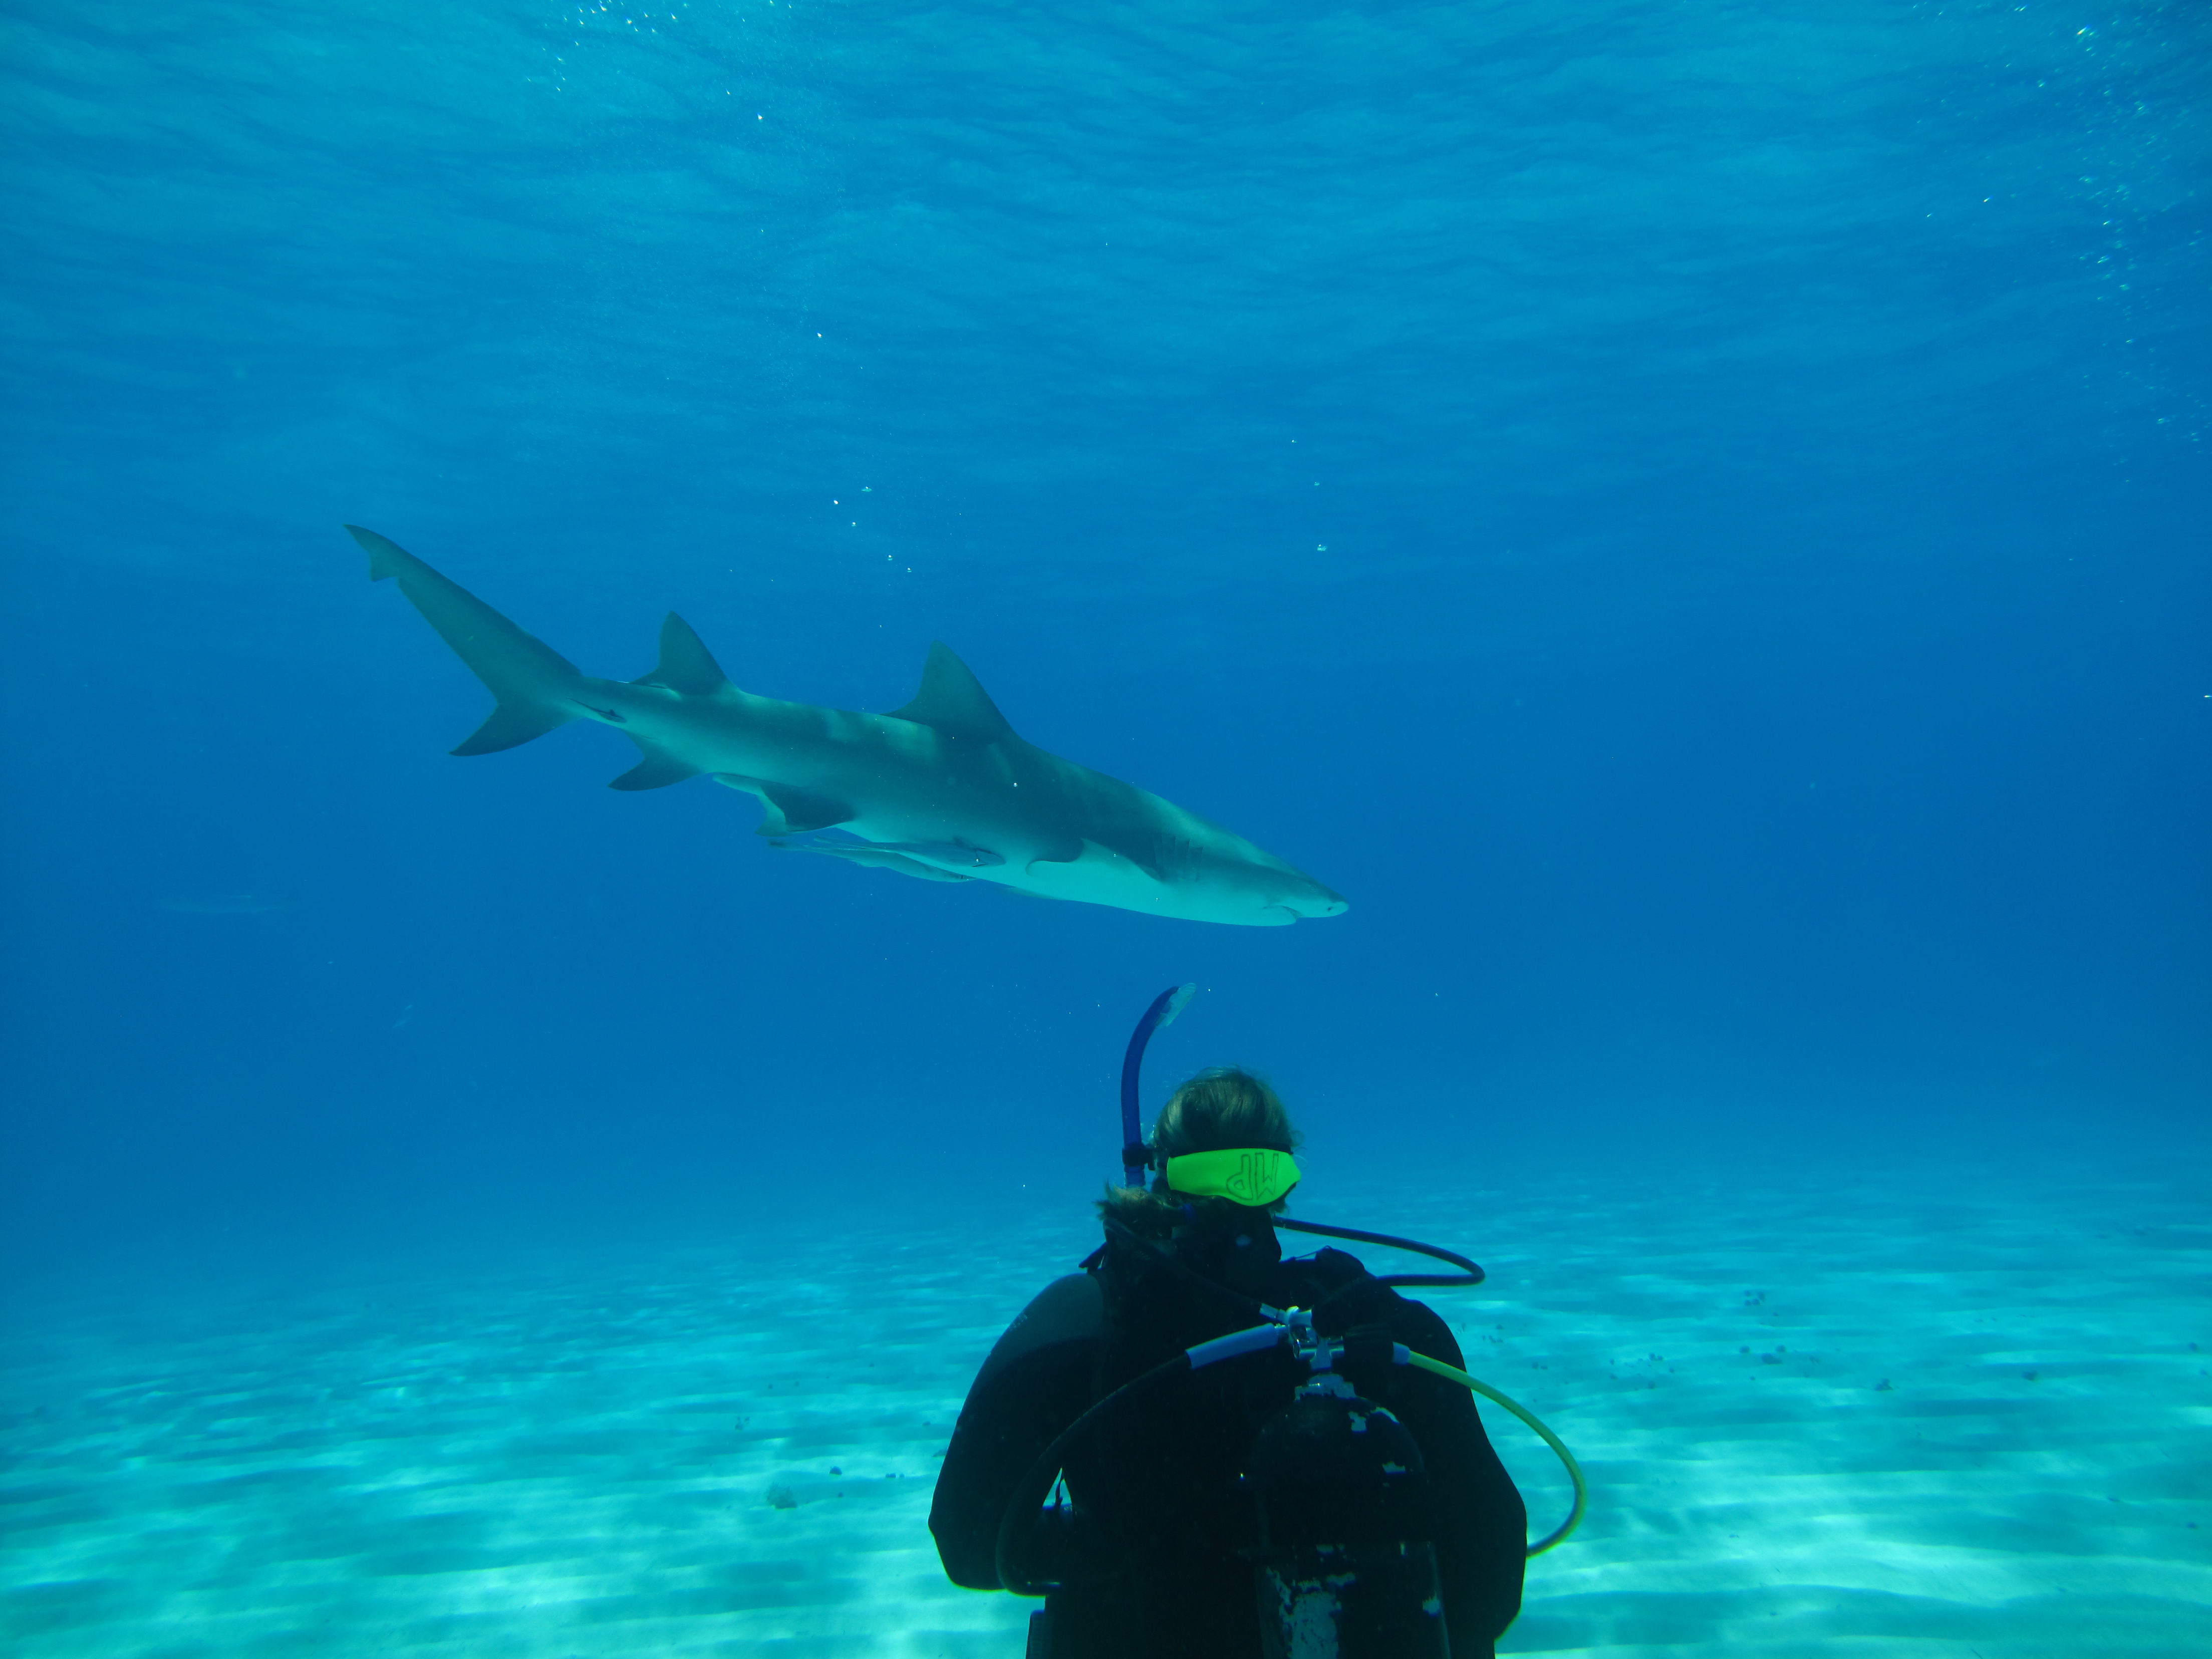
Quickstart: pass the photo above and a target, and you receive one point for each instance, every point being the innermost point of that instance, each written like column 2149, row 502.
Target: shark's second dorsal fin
column 685, row 664
column 953, row 700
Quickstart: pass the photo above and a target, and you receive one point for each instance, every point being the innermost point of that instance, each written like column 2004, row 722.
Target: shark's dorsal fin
column 953, row 700
column 685, row 664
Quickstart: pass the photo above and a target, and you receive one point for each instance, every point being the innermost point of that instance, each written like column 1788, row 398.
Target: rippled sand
column 1887, row 1418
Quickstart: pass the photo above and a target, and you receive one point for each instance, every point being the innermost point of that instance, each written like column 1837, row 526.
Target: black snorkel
column 1136, row 1157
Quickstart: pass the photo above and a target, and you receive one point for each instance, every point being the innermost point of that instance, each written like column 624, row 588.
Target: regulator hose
column 1468, row 1272
column 1558, row 1536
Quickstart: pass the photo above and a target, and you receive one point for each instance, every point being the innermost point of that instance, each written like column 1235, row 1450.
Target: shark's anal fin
column 657, row 770
column 685, row 664
column 953, row 700
column 790, row 811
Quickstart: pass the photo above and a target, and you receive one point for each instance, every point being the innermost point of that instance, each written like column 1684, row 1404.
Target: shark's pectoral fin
column 790, row 811
column 657, row 770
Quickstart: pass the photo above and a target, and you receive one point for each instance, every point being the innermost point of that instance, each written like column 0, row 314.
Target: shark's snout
column 1313, row 899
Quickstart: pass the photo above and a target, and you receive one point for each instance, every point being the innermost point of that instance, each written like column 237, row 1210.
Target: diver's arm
column 1481, row 1524
column 1036, row 1383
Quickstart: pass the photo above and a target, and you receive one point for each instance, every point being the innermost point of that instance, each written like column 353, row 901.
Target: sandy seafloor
column 573, row 1455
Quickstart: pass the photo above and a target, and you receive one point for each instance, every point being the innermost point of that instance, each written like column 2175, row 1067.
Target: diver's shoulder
column 1071, row 1308
column 1304, row 1281
column 1358, row 1295
column 1330, row 1266
column 1072, row 1299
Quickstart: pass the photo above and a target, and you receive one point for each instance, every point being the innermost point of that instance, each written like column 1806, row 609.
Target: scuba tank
column 1346, row 1565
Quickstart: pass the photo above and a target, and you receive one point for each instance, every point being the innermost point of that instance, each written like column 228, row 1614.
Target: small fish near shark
column 941, row 789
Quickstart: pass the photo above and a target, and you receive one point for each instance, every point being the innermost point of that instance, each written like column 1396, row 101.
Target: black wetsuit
column 1148, row 1557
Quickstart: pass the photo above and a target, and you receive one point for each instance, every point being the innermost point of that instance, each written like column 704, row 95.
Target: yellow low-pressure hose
column 1453, row 1374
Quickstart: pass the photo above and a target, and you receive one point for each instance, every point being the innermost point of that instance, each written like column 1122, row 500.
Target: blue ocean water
column 1693, row 518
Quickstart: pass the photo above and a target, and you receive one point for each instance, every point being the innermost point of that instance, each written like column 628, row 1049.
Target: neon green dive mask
column 1255, row 1176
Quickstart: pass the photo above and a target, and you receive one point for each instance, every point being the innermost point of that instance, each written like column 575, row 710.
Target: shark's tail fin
column 531, row 680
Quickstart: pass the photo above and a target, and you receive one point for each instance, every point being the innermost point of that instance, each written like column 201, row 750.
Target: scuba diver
column 1320, row 1496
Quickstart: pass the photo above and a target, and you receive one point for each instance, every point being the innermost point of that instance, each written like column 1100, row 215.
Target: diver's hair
column 1224, row 1107
column 1221, row 1107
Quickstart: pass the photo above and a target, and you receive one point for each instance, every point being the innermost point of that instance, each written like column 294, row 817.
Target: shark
column 941, row 789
